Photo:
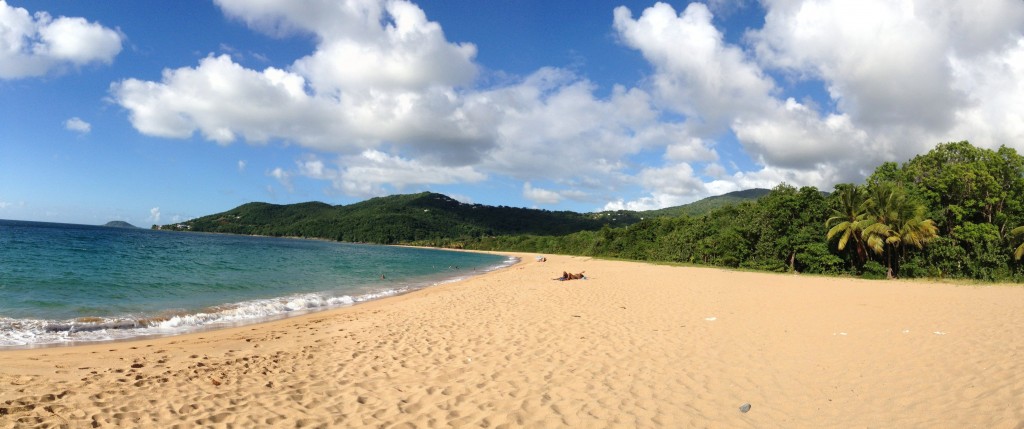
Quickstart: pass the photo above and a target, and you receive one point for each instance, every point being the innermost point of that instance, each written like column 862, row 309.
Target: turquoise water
column 72, row 283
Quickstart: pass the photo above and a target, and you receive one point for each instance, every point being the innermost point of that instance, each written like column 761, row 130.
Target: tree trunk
column 888, row 261
column 860, row 257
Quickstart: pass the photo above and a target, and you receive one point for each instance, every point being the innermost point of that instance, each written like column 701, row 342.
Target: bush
column 874, row 270
column 915, row 268
column 945, row 258
column 816, row 258
column 987, row 258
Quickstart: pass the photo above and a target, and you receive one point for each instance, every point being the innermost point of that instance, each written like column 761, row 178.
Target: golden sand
column 634, row 345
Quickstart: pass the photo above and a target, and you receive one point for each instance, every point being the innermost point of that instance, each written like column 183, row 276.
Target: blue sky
column 156, row 112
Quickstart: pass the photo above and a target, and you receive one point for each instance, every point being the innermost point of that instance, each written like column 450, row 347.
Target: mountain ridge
column 404, row 218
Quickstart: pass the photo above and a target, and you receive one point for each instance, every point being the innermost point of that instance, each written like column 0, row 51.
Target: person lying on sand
column 570, row 276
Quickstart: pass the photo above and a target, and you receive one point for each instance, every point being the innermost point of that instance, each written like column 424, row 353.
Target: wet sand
column 634, row 345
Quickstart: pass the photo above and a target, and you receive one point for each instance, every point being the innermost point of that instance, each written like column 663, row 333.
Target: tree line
column 395, row 219
column 955, row 212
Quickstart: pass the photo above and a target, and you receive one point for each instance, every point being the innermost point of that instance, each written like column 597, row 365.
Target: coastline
column 635, row 345
column 49, row 316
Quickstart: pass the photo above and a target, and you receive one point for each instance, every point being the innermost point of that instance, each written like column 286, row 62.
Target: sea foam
column 33, row 332
column 65, row 284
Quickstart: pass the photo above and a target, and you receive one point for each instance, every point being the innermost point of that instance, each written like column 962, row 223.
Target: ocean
column 67, row 284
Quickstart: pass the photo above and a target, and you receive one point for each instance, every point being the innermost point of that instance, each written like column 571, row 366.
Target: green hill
column 705, row 206
column 396, row 219
column 424, row 217
column 955, row 212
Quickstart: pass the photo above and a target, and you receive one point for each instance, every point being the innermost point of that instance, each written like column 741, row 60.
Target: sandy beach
column 634, row 345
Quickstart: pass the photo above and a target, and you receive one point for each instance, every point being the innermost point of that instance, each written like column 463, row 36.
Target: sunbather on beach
column 569, row 276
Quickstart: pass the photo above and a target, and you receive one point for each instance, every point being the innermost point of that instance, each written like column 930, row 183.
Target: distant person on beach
column 569, row 276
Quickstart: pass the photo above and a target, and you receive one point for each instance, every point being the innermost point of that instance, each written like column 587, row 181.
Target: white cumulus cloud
column 540, row 195
column 283, row 177
column 373, row 173
column 37, row 44
column 381, row 72
column 394, row 105
column 696, row 72
column 901, row 75
column 385, row 90
column 552, row 125
column 77, row 125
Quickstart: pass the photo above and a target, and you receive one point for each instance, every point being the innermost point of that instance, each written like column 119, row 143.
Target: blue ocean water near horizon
column 64, row 284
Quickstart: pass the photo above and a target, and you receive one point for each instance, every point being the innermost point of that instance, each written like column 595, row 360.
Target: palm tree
column 915, row 230
column 850, row 219
column 880, row 234
column 1017, row 232
column 895, row 221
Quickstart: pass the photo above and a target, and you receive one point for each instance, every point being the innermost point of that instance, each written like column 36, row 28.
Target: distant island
column 119, row 224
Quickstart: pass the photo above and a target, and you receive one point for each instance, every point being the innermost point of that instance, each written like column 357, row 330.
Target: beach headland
column 633, row 345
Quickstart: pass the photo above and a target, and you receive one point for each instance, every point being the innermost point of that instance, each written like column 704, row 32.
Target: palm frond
column 843, row 226
column 1018, row 232
column 876, row 244
column 845, row 238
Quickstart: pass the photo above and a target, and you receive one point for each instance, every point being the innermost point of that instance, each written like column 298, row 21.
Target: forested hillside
column 398, row 219
column 426, row 216
column 709, row 204
column 955, row 212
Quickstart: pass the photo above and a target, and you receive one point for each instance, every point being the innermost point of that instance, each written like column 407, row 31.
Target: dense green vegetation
column 955, row 212
column 398, row 219
column 783, row 230
column 709, row 204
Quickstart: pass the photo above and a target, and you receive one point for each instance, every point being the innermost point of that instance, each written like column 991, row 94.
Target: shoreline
column 635, row 345
column 151, row 326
